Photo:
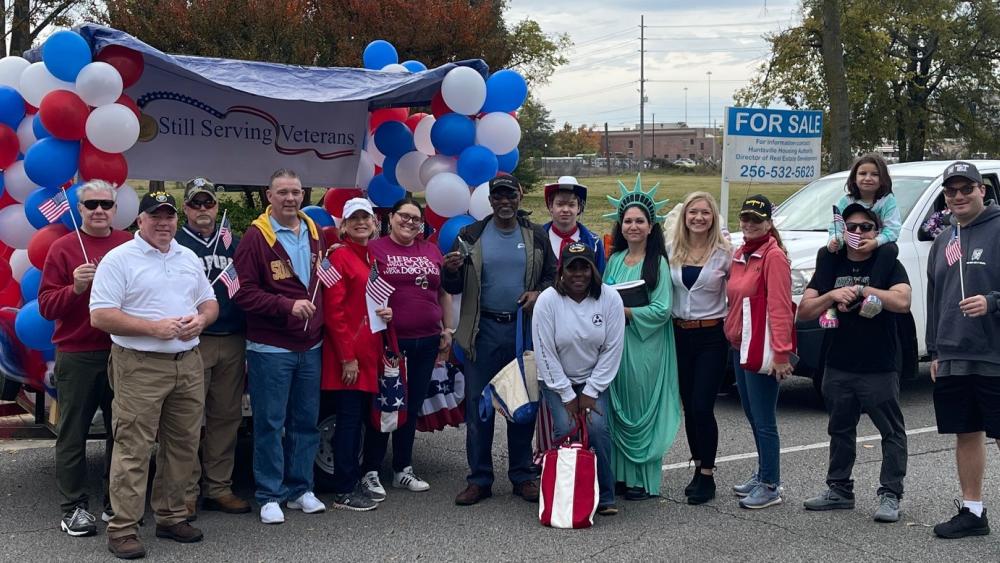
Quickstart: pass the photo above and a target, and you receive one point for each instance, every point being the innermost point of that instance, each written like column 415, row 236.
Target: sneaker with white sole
column 405, row 479
column 307, row 503
column 762, row 496
column 79, row 523
column 271, row 513
column 356, row 501
column 888, row 508
column 744, row 488
column 372, row 486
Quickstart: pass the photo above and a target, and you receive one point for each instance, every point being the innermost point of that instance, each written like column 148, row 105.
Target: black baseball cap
column 858, row 208
column 155, row 200
column 505, row 182
column 962, row 169
column 757, row 205
column 577, row 251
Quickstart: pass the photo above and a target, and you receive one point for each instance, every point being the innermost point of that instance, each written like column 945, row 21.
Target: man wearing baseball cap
column 565, row 200
column 151, row 295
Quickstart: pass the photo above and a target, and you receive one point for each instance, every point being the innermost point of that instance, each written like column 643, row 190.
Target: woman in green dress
column 645, row 402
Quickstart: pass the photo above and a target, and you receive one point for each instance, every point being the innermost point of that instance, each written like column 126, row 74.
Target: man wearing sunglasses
column 222, row 354
column 861, row 374
column 81, row 350
column 963, row 326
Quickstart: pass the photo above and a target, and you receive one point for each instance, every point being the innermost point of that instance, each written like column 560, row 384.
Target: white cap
column 571, row 180
column 358, row 204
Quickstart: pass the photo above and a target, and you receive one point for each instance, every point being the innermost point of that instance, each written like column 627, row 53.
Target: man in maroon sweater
column 81, row 370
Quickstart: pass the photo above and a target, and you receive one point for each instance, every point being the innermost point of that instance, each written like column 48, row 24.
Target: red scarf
column 751, row 246
column 567, row 237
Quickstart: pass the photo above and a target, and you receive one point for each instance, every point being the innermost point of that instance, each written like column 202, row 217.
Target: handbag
column 445, row 402
column 756, row 354
column 513, row 391
column 569, row 491
column 389, row 405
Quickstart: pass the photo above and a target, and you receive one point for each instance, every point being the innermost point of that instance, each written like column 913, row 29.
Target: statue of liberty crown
column 636, row 196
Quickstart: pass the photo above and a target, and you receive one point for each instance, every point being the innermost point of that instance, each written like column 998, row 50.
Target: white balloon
column 17, row 183
column 408, row 171
column 99, row 84
column 36, row 81
column 436, row 165
column 15, row 230
column 479, row 205
column 464, row 90
column 377, row 157
column 499, row 132
column 395, row 68
column 26, row 133
column 448, row 194
column 422, row 135
column 112, row 128
column 127, row 207
column 366, row 170
column 19, row 264
column 10, row 70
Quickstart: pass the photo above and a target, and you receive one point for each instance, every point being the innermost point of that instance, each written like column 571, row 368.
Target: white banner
column 193, row 127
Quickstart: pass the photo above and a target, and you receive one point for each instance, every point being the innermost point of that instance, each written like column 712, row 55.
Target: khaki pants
column 224, row 360
column 153, row 393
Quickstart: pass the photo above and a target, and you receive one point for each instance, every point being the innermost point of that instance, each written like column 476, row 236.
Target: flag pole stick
column 218, row 277
column 312, row 299
column 218, row 231
column 76, row 228
column 961, row 261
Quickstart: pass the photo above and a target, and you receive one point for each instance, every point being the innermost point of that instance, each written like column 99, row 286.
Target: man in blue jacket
column 565, row 201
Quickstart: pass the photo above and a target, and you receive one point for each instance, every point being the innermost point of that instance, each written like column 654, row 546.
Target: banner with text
column 192, row 127
column 772, row 145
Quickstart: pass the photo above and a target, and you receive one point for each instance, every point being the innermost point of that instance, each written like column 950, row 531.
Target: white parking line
column 791, row 449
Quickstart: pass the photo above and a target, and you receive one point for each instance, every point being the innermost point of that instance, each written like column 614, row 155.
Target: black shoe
column 963, row 524
column 78, row 523
column 704, row 490
column 620, row 488
column 636, row 493
column 694, row 482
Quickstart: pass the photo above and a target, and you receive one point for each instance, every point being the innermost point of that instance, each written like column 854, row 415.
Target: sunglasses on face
column 953, row 191
column 201, row 203
column 860, row 227
column 748, row 218
column 92, row 204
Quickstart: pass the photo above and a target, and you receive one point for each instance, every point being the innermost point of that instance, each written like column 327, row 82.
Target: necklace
column 700, row 259
column 630, row 261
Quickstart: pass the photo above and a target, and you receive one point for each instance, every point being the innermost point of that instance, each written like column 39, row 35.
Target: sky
column 684, row 41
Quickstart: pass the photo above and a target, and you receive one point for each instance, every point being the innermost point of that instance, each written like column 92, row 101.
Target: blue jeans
column 599, row 436
column 284, row 395
column 352, row 407
column 494, row 350
column 759, row 397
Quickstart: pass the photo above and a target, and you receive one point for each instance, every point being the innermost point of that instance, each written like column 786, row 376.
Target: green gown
column 645, row 402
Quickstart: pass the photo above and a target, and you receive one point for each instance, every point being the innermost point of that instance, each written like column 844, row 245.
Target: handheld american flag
column 838, row 220
column 953, row 252
column 377, row 288
column 53, row 208
column 231, row 280
column 226, row 233
column 852, row 238
column 327, row 273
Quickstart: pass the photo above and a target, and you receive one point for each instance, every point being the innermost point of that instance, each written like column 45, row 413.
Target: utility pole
column 642, row 90
column 653, row 152
column 685, row 106
column 607, row 148
column 709, row 73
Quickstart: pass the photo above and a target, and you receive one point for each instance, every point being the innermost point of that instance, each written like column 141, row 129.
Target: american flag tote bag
column 390, row 403
column 569, row 491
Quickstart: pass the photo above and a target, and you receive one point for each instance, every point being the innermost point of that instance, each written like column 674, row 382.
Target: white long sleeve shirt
column 578, row 343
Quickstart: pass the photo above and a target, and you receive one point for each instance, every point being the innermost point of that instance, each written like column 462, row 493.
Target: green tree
column 570, row 141
column 537, row 128
column 28, row 19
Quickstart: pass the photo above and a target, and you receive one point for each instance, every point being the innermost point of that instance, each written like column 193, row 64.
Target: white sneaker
column 373, row 487
column 405, row 479
column 307, row 503
column 271, row 513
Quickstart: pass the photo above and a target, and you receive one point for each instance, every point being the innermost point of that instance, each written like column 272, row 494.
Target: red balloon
column 29, row 109
column 433, row 219
column 5, row 274
column 438, row 107
column 10, row 296
column 64, row 115
column 9, row 146
column 335, row 199
column 380, row 116
column 378, row 169
column 38, row 247
column 5, row 251
column 414, row 119
column 97, row 164
column 331, row 236
column 130, row 104
column 6, row 200
column 127, row 62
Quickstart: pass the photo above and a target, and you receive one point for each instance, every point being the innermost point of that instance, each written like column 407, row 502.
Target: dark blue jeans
column 598, row 434
column 759, row 397
column 284, row 395
column 494, row 349
column 352, row 408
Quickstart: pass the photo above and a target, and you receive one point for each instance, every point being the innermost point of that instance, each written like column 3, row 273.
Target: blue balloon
column 414, row 66
column 459, row 354
column 52, row 162
column 33, row 330
column 379, row 53
column 31, row 204
column 384, row 193
column 30, row 282
column 319, row 216
column 74, row 213
column 49, row 356
column 389, row 169
column 452, row 133
column 40, row 131
column 508, row 162
column 506, row 90
column 477, row 164
column 393, row 138
column 65, row 53
column 11, row 107
column 449, row 231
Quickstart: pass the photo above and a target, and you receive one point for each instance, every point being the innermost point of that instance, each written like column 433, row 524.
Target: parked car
column 685, row 163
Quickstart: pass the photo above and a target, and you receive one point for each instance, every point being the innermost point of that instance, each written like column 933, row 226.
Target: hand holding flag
column 230, row 279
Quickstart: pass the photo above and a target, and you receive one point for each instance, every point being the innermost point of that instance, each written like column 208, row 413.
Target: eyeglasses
column 92, row 204
column 860, row 227
column 407, row 218
column 201, row 203
column 966, row 190
column 750, row 218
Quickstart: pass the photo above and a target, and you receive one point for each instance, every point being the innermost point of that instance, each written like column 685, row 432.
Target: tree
column 569, row 141
column 832, row 47
column 916, row 71
column 537, row 128
column 28, row 19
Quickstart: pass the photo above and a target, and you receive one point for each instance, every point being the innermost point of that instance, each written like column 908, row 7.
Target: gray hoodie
column 950, row 334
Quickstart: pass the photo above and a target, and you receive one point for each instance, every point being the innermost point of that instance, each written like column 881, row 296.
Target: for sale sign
column 772, row 145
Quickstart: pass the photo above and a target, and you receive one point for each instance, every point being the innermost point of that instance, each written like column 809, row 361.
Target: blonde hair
column 681, row 243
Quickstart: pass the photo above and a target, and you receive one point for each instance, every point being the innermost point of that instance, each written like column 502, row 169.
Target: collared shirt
column 297, row 247
column 707, row 297
column 141, row 281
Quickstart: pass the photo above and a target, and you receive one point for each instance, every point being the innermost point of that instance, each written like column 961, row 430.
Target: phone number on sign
column 761, row 171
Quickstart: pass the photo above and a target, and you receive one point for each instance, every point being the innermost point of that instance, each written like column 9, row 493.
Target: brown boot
column 126, row 547
column 179, row 532
column 472, row 494
column 192, row 510
column 230, row 504
column 527, row 490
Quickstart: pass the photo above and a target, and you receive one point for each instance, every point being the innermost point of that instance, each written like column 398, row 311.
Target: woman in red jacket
column 760, row 327
column 351, row 352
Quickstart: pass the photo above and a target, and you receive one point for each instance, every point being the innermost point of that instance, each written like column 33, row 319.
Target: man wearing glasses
column 963, row 324
column 223, row 351
column 861, row 374
column 81, row 369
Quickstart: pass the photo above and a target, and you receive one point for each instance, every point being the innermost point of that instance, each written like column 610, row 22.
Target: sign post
column 770, row 146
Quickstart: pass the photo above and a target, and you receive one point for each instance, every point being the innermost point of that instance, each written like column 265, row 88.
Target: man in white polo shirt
column 152, row 296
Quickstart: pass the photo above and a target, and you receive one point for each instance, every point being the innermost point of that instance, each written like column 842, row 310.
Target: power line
column 715, row 25
column 696, row 81
column 590, row 64
column 600, row 38
column 606, row 48
column 714, row 37
column 592, row 92
column 731, row 50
